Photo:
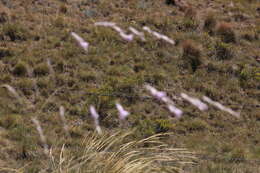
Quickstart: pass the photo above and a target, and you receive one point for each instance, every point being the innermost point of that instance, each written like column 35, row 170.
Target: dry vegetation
column 217, row 54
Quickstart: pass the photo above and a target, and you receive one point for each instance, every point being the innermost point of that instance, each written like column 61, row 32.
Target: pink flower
column 127, row 37
column 137, row 33
column 177, row 112
column 121, row 111
column 82, row 43
column 93, row 113
column 95, row 116
column 162, row 96
column 158, row 35
column 196, row 102
column 220, row 106
column 42, row 137
column 154, row 92
column 63, row 119
column 106, row 24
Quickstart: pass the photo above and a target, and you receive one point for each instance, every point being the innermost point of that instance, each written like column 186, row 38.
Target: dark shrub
column 191, row 54
column 223, row 51
column 4, row 52
column 41, row 69
column 210, row 23
column 20, row 69
column 15, row 32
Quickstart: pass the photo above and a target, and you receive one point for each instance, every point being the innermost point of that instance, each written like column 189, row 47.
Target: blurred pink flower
column 158, row 35
column 106, row 24
column 154, row 92
column 93, row 112
column 137, row 33
column 95, row 116
column 121, row 111
column 127, row 37
column 82, row 43
column 42, row 137
column 176, row 111
column 196, row 102
column 220, row 106
column 63, row 119
column 162, row 96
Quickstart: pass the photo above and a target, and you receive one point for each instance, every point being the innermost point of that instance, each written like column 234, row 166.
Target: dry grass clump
column 210, row 23
column 226, row 32
column 191, row 54
column 117, row 154
column 111, row 153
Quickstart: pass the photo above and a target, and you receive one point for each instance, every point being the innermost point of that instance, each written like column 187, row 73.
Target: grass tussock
column 191, row 54
column 226, row 32
column 117, row 152
column 210, row 22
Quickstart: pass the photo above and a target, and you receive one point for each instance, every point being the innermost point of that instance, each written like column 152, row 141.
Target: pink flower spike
column 95, row 116
column 122, row 112
column 160, row 95
column 154, row 92
column 196, row 102
column 82, row 43
column 42, row 137
column 167, row 100
column 159, row 36
column 98, row 129
column 220, row 106
column 93, row 113
column 106, row 24
column 137, row 33
column 62, row 112
column 127, row 37
column 177, row 112
column 63, row 119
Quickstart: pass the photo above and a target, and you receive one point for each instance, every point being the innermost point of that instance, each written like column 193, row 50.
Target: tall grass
column 116, row 153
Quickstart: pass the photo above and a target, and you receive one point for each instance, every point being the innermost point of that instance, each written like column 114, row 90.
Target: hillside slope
column 217, row 54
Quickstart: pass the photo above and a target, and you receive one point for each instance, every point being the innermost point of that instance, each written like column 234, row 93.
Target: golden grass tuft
column 118, row 153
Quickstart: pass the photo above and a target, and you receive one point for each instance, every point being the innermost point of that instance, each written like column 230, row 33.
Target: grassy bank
column 216, row 54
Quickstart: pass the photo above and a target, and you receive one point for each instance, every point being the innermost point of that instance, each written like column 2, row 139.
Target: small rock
column 90, row 13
